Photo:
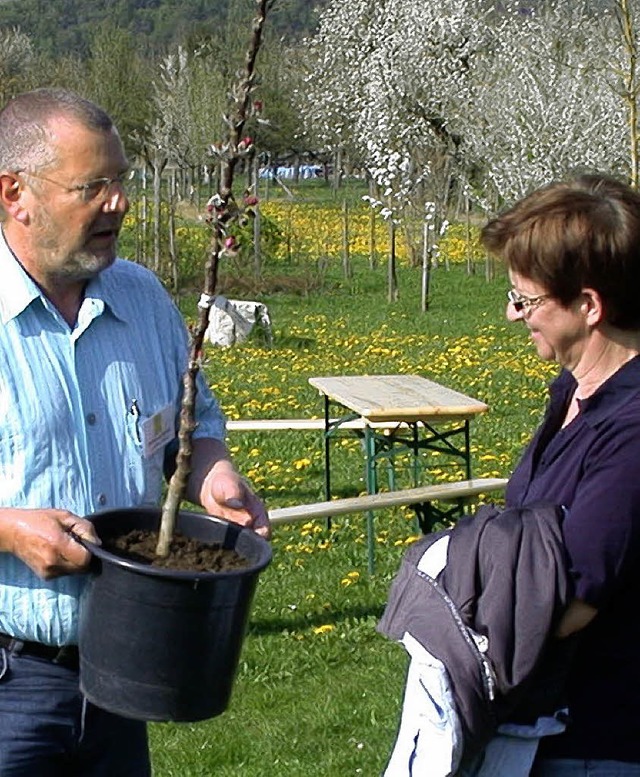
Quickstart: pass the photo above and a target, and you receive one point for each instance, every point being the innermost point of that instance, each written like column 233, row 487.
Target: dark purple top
column 592, row 466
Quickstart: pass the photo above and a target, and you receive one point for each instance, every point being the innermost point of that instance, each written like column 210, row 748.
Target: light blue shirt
column 72, row 407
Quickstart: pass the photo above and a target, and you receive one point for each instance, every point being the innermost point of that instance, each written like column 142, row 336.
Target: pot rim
column 264, row 556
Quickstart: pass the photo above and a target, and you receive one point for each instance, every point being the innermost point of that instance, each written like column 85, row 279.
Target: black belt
column 66, row 656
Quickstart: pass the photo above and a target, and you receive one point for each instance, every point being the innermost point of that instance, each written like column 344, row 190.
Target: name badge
column 158, row 430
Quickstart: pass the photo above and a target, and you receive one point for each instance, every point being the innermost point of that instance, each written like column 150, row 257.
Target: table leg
column 327, row 456
column 416, row 453
column 371, row 477
column 327, row 463
column 467, row 449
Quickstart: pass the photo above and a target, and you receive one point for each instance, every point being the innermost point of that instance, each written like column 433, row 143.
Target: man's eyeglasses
column 521, row 303
column 98, row 191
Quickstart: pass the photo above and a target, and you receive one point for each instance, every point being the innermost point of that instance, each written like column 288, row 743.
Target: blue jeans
column 569, row 767
column 47, row 729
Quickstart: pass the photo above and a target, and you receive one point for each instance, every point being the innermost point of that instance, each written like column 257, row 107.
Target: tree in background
column 541, row 106
column 189, row 95
column 329, row 97
column 278, row 133
column 16, row 63
column 435, row 103
column 443, row 99
column 117, row 78
column 384, row 81
column 628, row 80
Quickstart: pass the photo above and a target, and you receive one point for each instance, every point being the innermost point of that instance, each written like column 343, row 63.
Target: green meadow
column 318, row 690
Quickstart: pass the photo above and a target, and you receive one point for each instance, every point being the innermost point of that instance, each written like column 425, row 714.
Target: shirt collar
column 609, row 397
column 19, row 290
column 104, row 287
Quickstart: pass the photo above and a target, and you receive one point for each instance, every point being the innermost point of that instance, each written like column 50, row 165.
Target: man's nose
column 116, row 199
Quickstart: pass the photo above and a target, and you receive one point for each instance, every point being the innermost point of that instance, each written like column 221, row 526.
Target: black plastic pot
column 160, row 644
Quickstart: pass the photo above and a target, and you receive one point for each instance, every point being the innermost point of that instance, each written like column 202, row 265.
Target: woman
column 573, row 255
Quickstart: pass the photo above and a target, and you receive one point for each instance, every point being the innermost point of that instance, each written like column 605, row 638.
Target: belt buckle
column 67, row 655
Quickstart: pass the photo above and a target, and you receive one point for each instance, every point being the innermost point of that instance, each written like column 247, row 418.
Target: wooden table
column 429, row 416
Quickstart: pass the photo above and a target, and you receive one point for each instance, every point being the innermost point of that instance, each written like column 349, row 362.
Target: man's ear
column 11, row 197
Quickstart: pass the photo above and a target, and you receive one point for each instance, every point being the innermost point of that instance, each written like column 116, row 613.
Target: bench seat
column 368, row 502
column 301, row 424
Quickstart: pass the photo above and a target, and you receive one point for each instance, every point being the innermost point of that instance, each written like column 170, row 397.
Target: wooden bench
column 420, row 499
column 423, row 495
column 301, row 424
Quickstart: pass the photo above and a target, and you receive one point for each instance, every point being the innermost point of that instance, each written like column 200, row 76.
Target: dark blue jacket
column 505, row 579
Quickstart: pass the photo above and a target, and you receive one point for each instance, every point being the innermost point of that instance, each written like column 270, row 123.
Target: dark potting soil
column 185, row 553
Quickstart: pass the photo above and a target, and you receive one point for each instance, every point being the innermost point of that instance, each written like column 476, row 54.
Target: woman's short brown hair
column 572, row 235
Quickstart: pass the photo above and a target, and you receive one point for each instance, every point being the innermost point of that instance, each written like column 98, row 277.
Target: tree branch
column 222, row 212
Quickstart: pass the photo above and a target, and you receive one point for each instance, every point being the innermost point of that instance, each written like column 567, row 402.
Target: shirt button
column 91, row 418
column 102, row 499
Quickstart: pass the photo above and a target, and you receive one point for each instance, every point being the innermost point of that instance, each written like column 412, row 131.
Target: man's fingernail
column 234, row 502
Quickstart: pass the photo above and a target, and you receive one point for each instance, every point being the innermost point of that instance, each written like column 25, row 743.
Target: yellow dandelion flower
column 324, row 629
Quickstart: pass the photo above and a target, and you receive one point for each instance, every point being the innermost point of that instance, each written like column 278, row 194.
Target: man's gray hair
column 25, row 138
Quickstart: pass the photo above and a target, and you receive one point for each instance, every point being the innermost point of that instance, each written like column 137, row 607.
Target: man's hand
column 43, row 540
column 225, row 494
column 215, row 484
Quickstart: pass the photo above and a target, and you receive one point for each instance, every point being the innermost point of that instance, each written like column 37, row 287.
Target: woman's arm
column 577, row 615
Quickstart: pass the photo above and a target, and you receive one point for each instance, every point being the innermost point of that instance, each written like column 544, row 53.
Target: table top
column 398, row 398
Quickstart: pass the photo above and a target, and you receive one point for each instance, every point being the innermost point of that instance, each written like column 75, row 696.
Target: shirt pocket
column 144, row 472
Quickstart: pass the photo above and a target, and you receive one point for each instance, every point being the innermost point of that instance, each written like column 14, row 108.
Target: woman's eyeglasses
column 524, row 304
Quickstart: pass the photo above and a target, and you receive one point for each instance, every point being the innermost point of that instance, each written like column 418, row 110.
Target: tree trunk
column 144, row 216
column 392, row 277
column 157, row 215
column 346, row 260
column 373, row 259
column 631, row 86
column 173, row 257
column 467, row 221
column 426, row 267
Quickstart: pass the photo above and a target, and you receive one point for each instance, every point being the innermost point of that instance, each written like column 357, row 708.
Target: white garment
column 231, row 321
column 429, row 740
column 512, row 751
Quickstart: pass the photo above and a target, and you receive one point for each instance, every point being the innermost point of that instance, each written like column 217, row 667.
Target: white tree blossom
column 424, row 94
column 385, row 77
column 541, row 105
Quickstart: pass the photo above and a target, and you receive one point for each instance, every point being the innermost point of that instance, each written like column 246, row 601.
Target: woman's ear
column 11, row 201
column 591, row 306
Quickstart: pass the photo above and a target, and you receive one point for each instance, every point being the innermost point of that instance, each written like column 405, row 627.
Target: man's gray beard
column 83, row 266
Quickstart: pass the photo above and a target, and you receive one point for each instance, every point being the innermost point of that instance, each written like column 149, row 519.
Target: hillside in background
column 66, row 26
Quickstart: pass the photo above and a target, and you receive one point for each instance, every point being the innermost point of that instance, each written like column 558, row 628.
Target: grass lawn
column 318, row 690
